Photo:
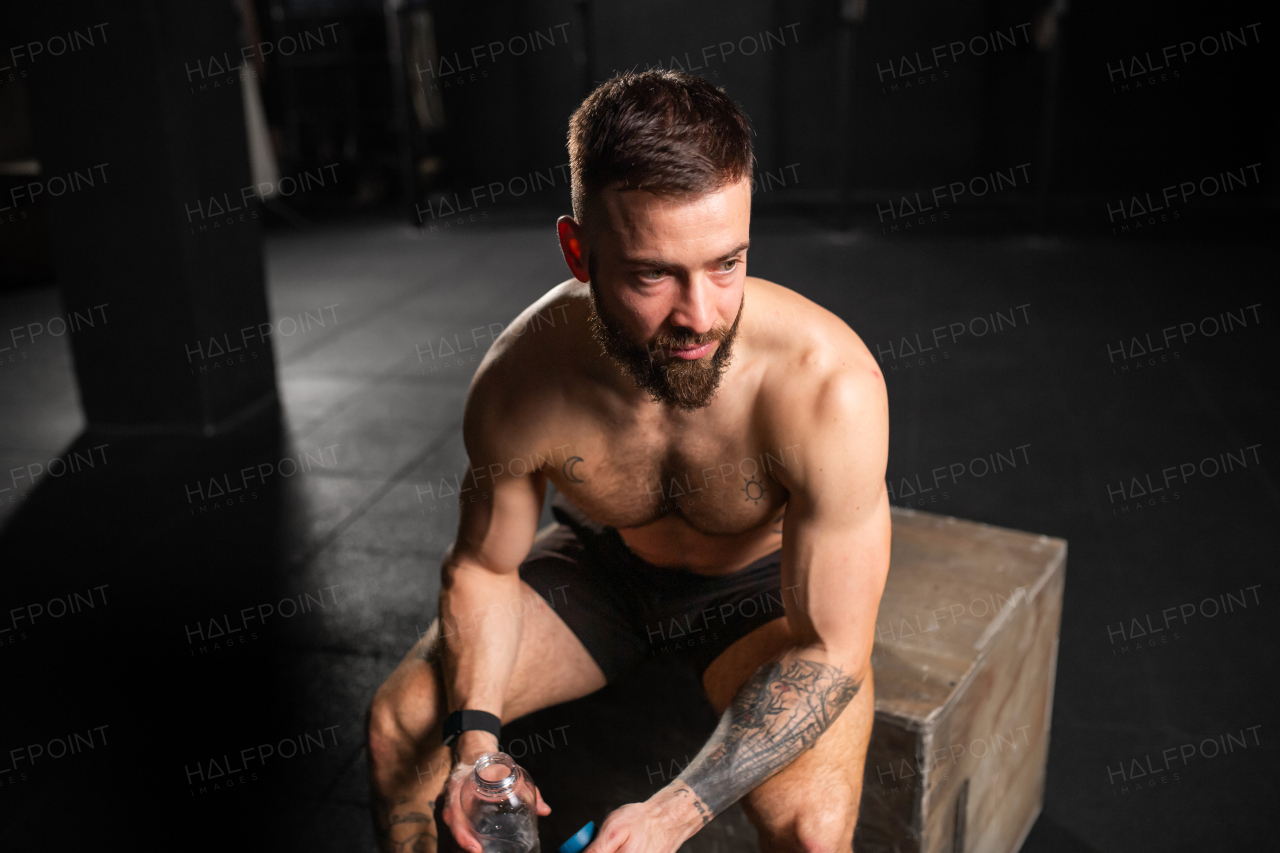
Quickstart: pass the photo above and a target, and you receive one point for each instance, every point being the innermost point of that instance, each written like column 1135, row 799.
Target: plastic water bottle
column 501, row 805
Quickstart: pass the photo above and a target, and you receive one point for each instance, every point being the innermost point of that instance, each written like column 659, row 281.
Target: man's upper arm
column 836, row 532
column 500, row 511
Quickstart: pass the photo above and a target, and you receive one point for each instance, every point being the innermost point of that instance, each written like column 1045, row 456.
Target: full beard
column 685, row 384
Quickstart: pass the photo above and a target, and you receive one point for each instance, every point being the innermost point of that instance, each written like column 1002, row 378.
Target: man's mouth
column 693, row 352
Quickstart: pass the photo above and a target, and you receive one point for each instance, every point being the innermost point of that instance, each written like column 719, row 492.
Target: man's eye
column 653, row 275
column 729, row 265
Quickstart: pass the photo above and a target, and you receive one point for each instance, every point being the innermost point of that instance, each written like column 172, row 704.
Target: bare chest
column 717, row 485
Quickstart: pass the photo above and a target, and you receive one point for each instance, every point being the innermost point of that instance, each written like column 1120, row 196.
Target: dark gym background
column 418, row 169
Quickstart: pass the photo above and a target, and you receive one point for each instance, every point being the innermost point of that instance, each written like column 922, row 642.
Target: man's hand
column 449, row 806
column 659, row 825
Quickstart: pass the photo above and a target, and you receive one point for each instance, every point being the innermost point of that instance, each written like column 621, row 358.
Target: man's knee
column 383, row 729
column 827, row 827
column 397, row 719
column 404, row 711
column 828, row 831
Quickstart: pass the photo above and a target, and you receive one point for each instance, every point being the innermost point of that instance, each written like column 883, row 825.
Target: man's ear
column 573, row 247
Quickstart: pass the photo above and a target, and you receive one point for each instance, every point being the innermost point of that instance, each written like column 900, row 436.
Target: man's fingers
column 542, row 807
column 461, row 831
column 457, row 823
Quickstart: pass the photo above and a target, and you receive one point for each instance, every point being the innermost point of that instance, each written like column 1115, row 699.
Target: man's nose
column 695, row 308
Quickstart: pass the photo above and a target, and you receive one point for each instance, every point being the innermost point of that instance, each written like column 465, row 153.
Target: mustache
column 666, row 342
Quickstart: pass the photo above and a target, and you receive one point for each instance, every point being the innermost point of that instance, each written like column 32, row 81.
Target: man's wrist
column 682, row 809
column 472, row 744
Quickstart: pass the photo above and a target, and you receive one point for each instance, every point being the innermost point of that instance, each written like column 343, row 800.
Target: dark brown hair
column 660, row 130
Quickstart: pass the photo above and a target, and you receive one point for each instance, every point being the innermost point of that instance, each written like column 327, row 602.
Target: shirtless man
column 717, row 441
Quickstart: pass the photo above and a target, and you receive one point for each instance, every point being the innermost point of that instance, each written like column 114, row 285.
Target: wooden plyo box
column 964, row 661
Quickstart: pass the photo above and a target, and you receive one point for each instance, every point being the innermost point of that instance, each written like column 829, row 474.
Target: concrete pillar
column 139, row 128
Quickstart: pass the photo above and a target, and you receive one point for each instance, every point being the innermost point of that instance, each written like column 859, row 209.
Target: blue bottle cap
column 580, row 839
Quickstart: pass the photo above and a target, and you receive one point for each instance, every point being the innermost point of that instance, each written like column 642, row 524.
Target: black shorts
column 625, row 610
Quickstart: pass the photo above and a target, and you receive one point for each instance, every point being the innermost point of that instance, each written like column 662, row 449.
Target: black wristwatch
column 466, row 721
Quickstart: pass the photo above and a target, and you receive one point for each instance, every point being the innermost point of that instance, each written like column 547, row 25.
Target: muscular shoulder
column 821, row 387
column 521, row 379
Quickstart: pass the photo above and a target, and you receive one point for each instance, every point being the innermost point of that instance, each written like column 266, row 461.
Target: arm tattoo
column 421, row 840
column 697, row 804
column 779, row 713
column 387, row 816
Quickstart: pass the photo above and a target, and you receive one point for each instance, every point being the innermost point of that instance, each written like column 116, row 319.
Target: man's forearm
column 480, row 637
column 781, row 711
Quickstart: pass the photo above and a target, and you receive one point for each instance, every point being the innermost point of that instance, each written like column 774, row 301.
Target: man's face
column 667, row 276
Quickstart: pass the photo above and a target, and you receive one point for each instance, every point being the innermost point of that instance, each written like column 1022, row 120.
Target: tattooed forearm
column 423, row 837
column 779, row 713
column 702, row 810
column 389, row 818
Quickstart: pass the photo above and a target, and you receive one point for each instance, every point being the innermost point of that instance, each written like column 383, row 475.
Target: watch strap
column 468, row 720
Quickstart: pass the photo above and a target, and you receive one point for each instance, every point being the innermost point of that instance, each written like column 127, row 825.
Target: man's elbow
column 847, row 653
column 852, row 663
column 460, row 569
column 457, row 569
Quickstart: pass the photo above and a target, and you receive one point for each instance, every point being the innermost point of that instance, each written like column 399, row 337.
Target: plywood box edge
column 939, row 519
column 1057, row 566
